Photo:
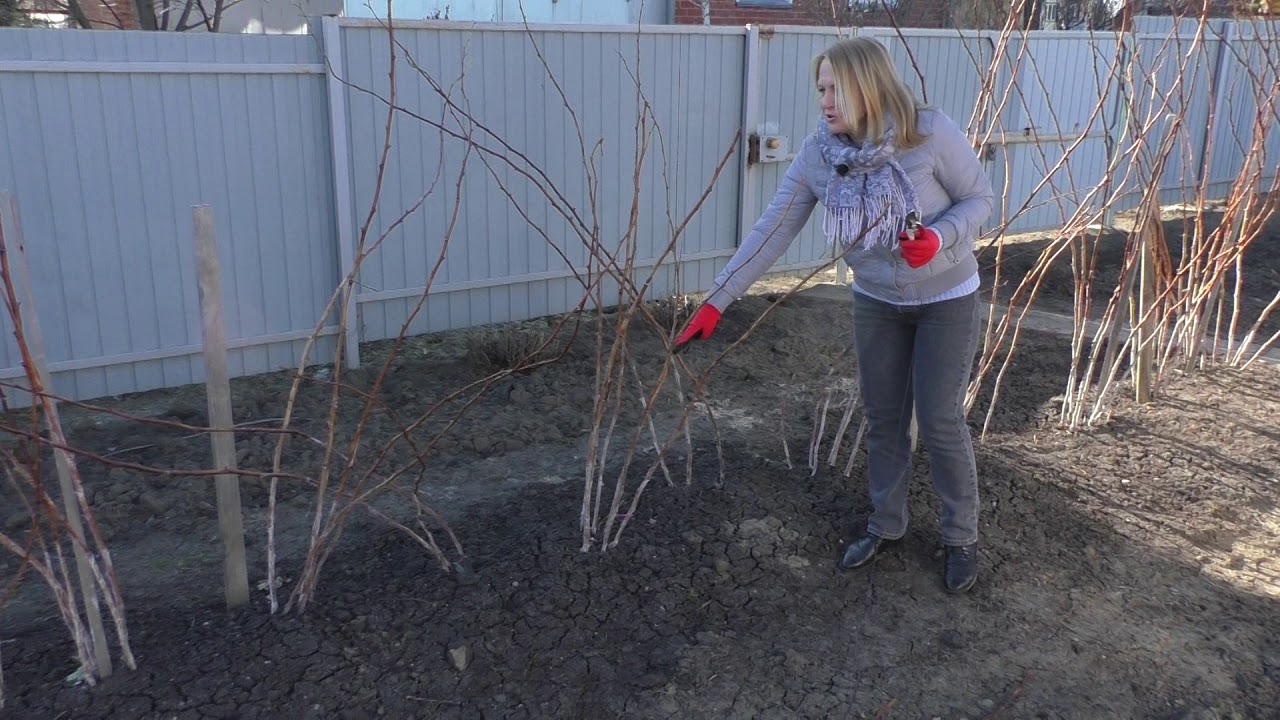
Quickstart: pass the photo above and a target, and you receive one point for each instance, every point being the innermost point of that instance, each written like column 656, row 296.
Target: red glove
column 920, row 251
column 699, row 328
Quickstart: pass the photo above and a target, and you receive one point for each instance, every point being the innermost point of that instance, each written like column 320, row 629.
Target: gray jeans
column 923, row 354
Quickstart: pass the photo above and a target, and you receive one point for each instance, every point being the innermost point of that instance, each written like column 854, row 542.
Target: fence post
column 339, row 153
column 1117, row 128
column 1216, row 95
column 1007, row 120
column 750, row 111
column 984, row 128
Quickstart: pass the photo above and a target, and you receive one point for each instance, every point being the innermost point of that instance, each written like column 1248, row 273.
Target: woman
column 904, row 195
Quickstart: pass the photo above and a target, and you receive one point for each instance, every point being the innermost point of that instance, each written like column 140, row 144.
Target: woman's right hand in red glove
column 700, row 327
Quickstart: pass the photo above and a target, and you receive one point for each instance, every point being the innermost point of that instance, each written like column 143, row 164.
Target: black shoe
column 961, row 567
column 860, row 551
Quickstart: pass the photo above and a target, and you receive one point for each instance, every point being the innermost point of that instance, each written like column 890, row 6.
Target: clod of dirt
column 16, row 522
column 187, row 413
column 464, row 572
column 154, row 503
column 460, row 656
column 952, row 639
column 789, row 346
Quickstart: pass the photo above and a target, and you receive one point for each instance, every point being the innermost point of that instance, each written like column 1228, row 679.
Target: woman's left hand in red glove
column 920, row 251
column 699, row 328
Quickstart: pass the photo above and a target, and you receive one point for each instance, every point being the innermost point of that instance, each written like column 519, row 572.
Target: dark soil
column 1131, row 570
column 1260, row 281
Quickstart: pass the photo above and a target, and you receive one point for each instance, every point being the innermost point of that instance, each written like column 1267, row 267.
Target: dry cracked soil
column 1130, row 570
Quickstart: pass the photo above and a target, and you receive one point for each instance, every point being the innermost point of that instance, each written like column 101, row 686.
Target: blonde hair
column 862, row 65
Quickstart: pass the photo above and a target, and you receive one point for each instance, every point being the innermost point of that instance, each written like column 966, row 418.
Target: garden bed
column 1127, row 571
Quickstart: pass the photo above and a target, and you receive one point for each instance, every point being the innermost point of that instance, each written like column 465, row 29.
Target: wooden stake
column 13, row 247
column 1144, row 345
column 218, row 384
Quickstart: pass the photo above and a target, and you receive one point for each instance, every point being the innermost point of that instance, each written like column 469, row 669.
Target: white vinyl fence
column 109, row 138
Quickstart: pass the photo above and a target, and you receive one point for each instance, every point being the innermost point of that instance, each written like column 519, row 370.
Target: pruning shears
column 912, row 225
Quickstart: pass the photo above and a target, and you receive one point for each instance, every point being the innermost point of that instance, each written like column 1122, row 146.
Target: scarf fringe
column 871, row 220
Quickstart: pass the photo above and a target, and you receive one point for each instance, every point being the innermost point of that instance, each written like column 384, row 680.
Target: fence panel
column 109, row 139
column 1166, row 107
column 513, row 255
column 1241, row 128
column 1056, row 111
column 947, row 68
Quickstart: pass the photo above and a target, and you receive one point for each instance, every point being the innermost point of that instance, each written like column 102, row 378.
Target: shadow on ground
column 726, row 605
column 723, row 600
column 1020, row 255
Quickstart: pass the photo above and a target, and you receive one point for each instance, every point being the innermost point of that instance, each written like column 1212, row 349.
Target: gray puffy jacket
column 955, row 199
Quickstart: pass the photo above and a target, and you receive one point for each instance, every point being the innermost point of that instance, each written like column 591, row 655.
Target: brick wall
column 110, row 14
column 910, row 13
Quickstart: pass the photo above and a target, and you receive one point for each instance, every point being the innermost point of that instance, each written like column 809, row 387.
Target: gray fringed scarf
column 869, row 195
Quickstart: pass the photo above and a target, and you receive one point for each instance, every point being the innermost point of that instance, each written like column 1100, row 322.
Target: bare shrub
column 507, row 349
column 673, row 311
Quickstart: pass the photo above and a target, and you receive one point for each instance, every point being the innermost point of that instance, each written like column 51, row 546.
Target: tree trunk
column 145, row 10
column 1031, row 15
column 77, row 13
column 11, row 15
